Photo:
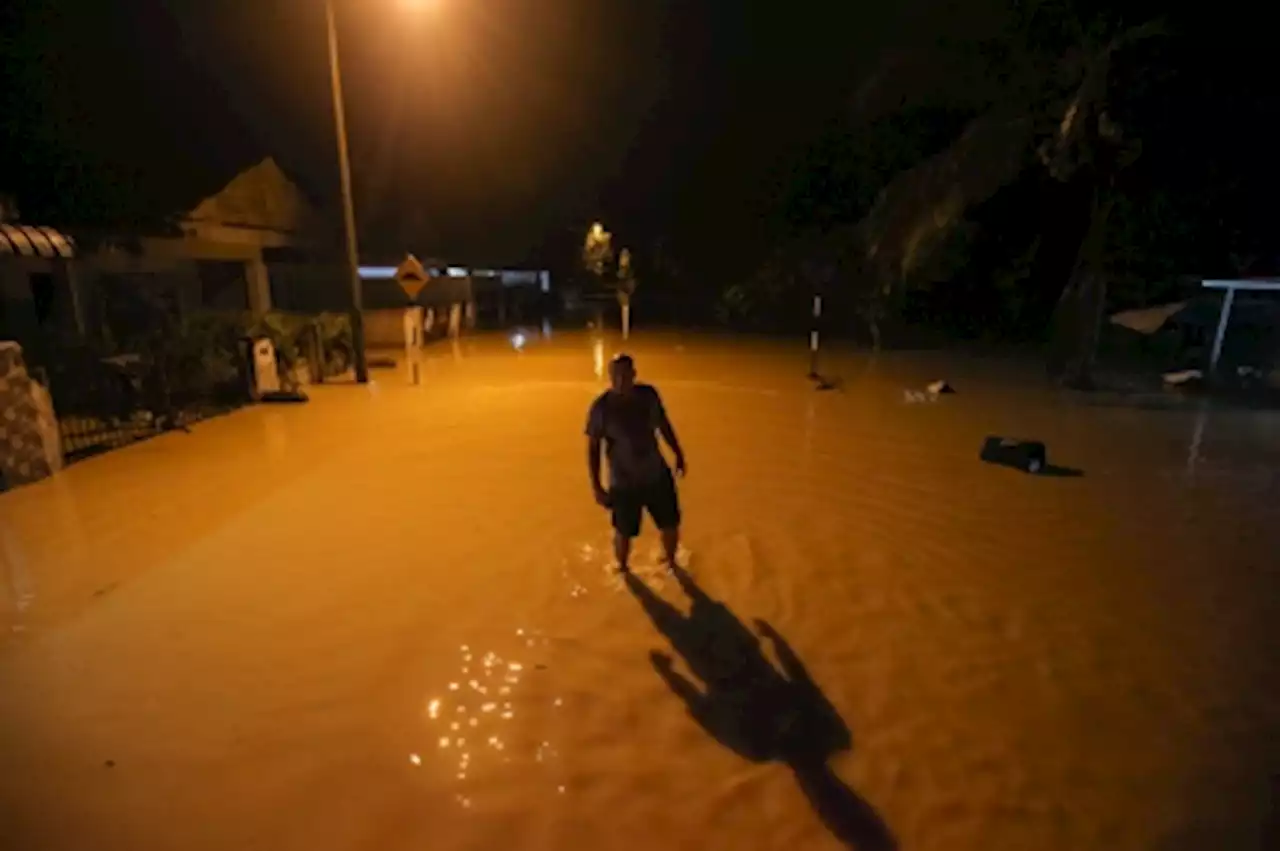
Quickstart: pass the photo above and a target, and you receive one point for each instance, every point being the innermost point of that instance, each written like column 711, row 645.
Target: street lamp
column 348, row 205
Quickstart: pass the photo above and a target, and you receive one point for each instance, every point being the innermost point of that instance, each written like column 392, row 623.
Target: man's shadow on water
column 761, row 713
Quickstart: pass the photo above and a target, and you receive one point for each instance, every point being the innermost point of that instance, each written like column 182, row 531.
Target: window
column 223, row 285
column 44, row 297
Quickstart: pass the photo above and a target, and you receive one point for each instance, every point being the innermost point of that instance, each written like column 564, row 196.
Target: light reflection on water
column 474, row 719
column 18, row 590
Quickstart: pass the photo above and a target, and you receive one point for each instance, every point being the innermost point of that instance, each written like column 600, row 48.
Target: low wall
column 30, row 448
column 385, row 328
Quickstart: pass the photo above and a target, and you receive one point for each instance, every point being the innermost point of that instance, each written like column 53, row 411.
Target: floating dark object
column 931, row 393
column 825, row 382
column 1026, row 455
column 284, row 397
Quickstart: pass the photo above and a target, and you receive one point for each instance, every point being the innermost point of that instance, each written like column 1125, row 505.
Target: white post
column 813, row 337
column 413, row 342
column 626, row 321
column 1197, row 439
column 1222, row 329
column 455, row 320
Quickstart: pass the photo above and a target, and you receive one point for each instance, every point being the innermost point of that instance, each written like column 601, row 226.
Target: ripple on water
column 593, row 565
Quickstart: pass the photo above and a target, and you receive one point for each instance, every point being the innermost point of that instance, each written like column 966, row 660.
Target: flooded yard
column 389, row 619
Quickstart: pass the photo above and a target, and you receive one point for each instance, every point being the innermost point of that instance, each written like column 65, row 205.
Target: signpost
column 412, row 278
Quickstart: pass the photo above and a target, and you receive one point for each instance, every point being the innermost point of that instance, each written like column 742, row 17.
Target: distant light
column 457, row 272
column 545, row 281
column 378, row 273
column 518, row 340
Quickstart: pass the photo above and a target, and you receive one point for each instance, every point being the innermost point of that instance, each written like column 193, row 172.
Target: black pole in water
column 814, row 337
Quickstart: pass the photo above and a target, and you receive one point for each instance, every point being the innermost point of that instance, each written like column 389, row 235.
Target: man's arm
column 593, row 462
column 595, row 434
column 668, row 433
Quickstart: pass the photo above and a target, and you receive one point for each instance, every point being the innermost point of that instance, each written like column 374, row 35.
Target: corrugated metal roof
column 29, row 241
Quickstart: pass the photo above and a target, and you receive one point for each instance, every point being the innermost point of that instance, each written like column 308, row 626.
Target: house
column 36, row 280
column 218, row 255
column 225, row 244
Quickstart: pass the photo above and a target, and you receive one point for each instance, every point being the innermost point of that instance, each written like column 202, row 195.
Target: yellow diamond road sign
column 411, row 276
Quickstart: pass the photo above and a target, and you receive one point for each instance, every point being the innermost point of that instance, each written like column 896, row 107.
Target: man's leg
column 622, row 550
column 670, row 544
column 664, row 507
column 627, row 506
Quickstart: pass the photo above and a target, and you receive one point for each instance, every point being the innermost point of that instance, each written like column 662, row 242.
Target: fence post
column 317, row 353
column 814, row 339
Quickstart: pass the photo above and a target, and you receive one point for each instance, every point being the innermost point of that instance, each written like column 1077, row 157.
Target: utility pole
column 348, row 204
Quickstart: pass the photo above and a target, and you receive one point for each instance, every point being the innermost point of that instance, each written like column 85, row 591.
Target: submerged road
column 387, row 619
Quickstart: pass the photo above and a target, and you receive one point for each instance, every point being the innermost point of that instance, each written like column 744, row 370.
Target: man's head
column 622, row 373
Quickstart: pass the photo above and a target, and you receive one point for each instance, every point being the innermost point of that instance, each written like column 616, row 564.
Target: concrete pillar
column 455, row 320
column 72, row 276
column 413, row 325
column 259, row 282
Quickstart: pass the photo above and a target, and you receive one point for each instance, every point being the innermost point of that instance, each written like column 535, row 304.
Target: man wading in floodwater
column 625, row 418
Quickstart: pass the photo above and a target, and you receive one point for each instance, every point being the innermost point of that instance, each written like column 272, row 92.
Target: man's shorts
column 659, row 498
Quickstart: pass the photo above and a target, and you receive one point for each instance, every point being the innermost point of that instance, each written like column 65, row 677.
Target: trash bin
column 265, row 372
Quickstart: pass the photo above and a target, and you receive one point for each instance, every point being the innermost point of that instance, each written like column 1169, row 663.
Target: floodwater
column 388, row 620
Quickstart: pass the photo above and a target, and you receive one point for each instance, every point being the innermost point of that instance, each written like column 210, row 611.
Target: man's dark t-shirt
column 627, row 424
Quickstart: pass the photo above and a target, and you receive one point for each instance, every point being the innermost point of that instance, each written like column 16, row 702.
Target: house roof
column 30, row 241
column 261, row 197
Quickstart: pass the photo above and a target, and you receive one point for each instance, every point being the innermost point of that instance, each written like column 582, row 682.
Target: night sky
column 483, row 130
column 482, row 124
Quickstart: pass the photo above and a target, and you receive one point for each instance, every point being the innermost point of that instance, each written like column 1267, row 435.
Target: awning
column 29, row 241
column 1147, row 320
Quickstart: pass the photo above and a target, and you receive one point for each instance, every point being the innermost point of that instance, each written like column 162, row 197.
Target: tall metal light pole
column 348, row 204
